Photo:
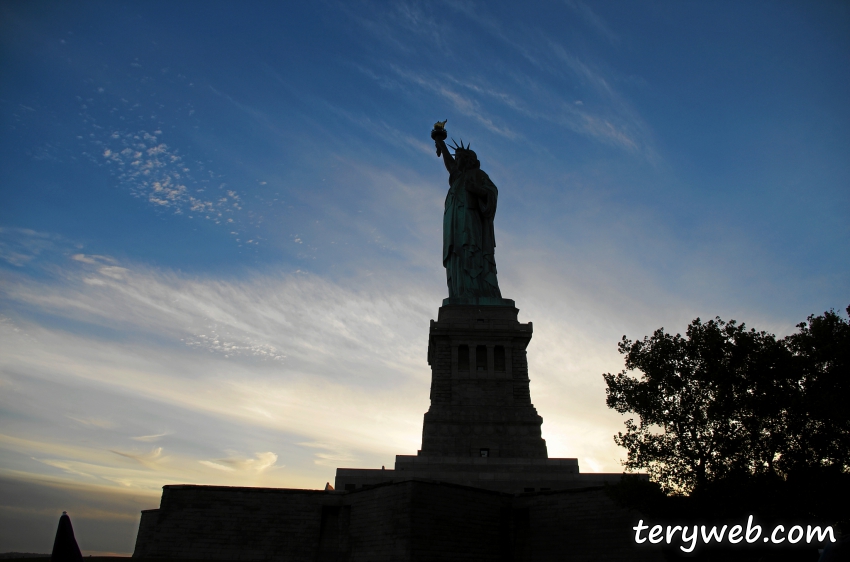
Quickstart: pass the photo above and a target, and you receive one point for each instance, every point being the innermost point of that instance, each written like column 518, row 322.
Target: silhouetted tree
column 724, row 401
column 818, row 424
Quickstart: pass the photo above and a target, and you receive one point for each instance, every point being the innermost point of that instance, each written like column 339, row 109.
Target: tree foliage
column 725, row 401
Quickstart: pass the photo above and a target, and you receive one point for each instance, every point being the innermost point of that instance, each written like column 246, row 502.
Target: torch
column 439, row 133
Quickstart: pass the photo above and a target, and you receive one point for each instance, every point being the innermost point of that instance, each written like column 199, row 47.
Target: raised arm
column 443, row 150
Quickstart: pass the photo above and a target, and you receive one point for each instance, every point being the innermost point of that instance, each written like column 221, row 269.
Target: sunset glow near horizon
column 220, row 225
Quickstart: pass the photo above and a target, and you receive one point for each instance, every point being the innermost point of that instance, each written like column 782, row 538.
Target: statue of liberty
column 469, row 240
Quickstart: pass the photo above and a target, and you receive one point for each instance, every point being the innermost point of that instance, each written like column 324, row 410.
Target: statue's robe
column 469, row 240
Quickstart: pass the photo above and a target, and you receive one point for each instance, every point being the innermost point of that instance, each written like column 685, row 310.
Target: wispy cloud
column 478, row 15
column 330, row 454
column 94, row 422
column 600, row 85
column 383, row 130
column 412, row 18
column 66, row 467
column 151, row 438
column 592, row 19
column 404, row 27
column 92, row 260
column 260, row 463
column 324, row 338
column 610, row 119
column 462, row 103
column 19, row 246
column 91, row 500
column 151, row 459
column 618, row 126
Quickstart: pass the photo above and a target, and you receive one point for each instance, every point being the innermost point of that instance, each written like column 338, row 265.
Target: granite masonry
column 482, row 487
column 482, row 429
column 405, row 521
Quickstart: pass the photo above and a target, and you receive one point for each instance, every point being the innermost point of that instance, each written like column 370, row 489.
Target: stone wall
column 405, row 521
column 225, row 523
column 577, row 525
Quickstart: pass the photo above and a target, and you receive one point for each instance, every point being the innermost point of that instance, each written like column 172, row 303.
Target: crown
column 461, row 147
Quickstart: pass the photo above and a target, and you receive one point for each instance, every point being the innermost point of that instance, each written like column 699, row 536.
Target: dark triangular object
column 65, row 547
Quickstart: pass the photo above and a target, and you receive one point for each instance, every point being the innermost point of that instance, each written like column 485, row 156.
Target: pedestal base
column 512, row 476
column 478, row 301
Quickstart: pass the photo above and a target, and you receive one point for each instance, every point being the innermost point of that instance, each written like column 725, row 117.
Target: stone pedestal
column 481, row 429
column 480, row 402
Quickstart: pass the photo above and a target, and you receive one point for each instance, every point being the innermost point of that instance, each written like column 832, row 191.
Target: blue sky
column 220, row 225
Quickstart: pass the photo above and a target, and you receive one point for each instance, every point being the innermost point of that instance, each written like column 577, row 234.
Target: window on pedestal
column 463, row 358
column 499, row 358
column 481, row 358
